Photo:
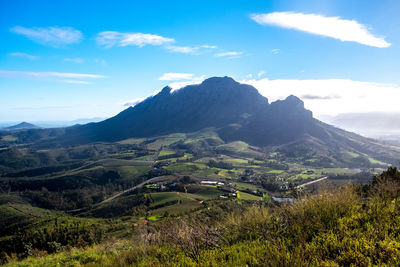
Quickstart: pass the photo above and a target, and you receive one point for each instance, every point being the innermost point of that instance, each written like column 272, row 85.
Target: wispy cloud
column 135, row 101
column 173, row 76
column 195, row 50
column 76, row 82
column 183, row 49
column 52, row 36
column 178, row 84
column 110, row 39
column 319, row 97
column 76, row 77
column 181, row 84
column 113, row 38
column 334, row 27
column 179, row 80
column 260, row 73
column 230, row 54
column 23, row 55
column 275, row 51
column 75, row 60
column 209, row 46
column 100, row 61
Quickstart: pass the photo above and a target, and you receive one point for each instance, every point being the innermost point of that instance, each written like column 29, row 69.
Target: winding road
column 120, row 193
column 315, row 181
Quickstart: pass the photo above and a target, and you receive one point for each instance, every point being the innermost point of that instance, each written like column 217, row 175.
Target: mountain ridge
column 237, row 112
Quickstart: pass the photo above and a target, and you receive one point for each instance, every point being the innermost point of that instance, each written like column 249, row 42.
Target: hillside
column 353, row 226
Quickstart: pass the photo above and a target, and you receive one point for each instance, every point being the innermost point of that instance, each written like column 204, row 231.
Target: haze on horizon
column 69, row 60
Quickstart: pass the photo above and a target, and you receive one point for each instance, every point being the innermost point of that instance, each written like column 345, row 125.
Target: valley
column 80, row 187
column 136, row 181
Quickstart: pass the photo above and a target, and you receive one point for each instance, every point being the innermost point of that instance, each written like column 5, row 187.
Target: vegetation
column 190, row 199
column 353, row 225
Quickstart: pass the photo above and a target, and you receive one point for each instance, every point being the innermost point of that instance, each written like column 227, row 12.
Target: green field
column 129, row 171
column 246, row 196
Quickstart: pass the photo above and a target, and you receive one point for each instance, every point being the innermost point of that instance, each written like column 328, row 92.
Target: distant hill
column 66, row 123
column 20, row 126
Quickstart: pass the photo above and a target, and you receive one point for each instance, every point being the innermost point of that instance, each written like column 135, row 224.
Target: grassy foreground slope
column 355, row 225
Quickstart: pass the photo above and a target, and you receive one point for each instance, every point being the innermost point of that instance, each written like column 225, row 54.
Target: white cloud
column 230, row 54
column 113, row 38
column 333, row 96
column 24, row 55
column 188, row 78
column 100, row 61
column 53, row 36
column 178, row 85
column 77, row 77
column 172, row 76
column 209, row 46
column 275, row 51
column 135, row 101
column 335, row 27
column 175, row 86
column 190, row 49
column 76, row 82
column 260, row 73
column 75, row 60
column 183, row 49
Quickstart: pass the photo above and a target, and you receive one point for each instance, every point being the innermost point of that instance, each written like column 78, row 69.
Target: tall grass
column 343, row 227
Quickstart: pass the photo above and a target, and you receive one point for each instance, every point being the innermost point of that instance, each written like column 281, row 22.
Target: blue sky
column 63, row 60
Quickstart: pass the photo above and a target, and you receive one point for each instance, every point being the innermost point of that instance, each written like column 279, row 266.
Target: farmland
column 108, row 187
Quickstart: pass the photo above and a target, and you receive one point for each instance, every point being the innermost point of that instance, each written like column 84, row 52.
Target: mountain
column 217, row 102
column 20, row 126
column 236, row 112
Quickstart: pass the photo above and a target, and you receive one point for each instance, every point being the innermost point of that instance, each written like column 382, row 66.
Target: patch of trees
column 270, row 185
column 198, row 148
column 52, row 237
column 298, row 151
column 174, row 155
column 165, row 204
column 128, row 206
column 157, row 171
column 43, row 170
column 67, row 182
column 320, row 161
column 68, row 199
column 219, row 164
column 276, row 165
column 186, row 180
